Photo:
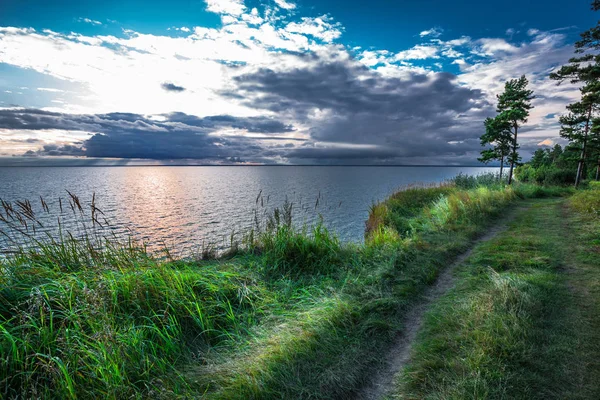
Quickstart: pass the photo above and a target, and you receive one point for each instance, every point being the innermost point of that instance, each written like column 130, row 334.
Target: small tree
column 498, row 135
column 541, row 158
column 555, row 155
column 514, row 105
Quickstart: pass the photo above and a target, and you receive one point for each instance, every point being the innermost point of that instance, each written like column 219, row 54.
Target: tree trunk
column 598, row 169
column 502, row 167
column 582, row 158
column 514, row 156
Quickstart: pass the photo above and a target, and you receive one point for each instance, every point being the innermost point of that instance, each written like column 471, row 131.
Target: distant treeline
column 557, row 166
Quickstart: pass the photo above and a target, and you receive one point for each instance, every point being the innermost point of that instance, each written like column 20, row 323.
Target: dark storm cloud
column 34, row 119
column 347, row 88
column 57, row 150
column 251, row 124
column 167, row 136
column 171, row 87
column 337, row 153
column 416, row 115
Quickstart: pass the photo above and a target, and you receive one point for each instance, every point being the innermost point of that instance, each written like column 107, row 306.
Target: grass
column 588, row 201
column 522, row 321
column 291, row 313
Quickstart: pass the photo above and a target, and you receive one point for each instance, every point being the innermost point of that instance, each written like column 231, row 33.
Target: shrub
column 463, row 181
column 594, row 185
column 587, row 201
column 545, row 175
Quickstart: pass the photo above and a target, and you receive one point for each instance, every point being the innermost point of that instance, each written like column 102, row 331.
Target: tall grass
column 118, row 330
column 588, row 201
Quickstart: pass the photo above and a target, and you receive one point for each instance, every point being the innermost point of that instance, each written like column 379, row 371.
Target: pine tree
column 595, row 144
column 498, row 135
column 541, row 158
column 556, row 155
column 575, row 126
column 514, row 105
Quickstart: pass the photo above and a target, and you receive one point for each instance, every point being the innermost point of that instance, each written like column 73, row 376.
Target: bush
column 545, row 175
column 587, row 201
column 463, row 181
column 594, row 185
column 525, row 173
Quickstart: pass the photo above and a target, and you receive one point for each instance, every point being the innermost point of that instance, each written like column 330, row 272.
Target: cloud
column 170, row 87
column 231, row 7
column 168, row 136
column 493, row 46
column 345, row 103
column 89, row 21
column 419, row 52
column 546, row 142
column 35, row 119
column 269, row 85
column 41, row 89
column 285, row 4
column 182, row 29
column 57, row 151
column 321, row 27
column 433, row 32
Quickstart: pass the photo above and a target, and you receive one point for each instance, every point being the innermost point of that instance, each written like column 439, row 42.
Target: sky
column 331, row 82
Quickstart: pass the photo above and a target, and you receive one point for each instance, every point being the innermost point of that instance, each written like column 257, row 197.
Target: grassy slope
column 523, row 321
column 300, row 316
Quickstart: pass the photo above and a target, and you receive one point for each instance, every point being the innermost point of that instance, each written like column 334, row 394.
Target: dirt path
column 399, row 353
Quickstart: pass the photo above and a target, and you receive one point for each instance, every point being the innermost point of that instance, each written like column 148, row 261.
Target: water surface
column 183, row 207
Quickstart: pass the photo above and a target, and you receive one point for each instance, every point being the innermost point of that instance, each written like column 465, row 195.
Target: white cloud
column 89, row 21
column 231, row 7
column 433, row 32
column 419, row 52
column 253, row 18
column 321, row 27
column 451, row 53
column 536, row 60
column 547, row 142
column 373, row 57
column 182, row 29
column 285, row 4
column 126, row 73
column 462, row 41
column 42, row 89
column 462, row 64
column 493, row 46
